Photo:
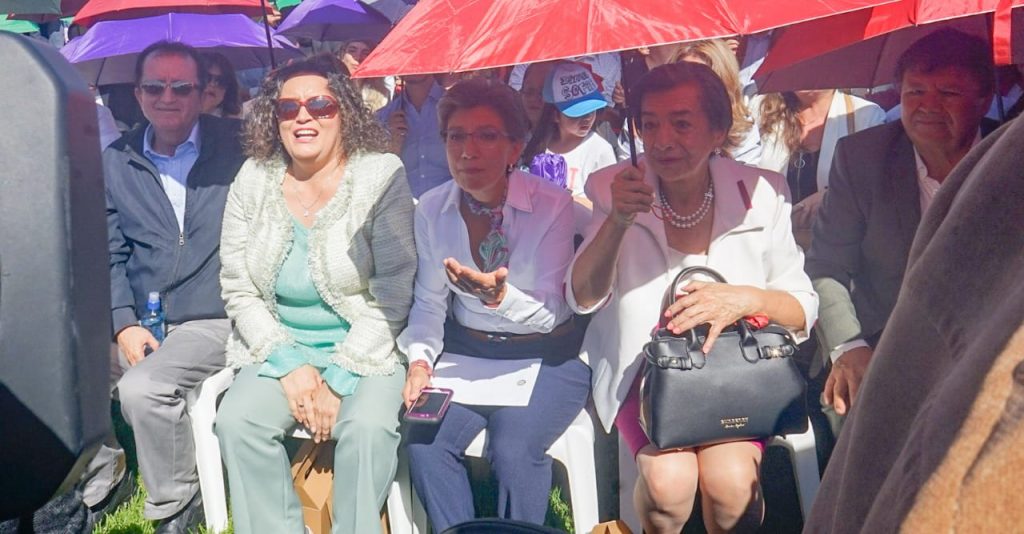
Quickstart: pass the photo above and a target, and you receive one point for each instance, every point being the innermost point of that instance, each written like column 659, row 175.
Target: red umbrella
column 96, row 10
column 459, row 35
column 860, row 49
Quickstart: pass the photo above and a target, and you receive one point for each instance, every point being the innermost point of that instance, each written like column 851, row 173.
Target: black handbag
column 747, row 387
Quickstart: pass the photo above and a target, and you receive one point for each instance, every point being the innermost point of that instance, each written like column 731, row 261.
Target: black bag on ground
column 747, row 387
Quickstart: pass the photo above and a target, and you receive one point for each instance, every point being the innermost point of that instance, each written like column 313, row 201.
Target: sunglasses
column 485, row 137
column 157, row 88
column 217, row 80
column 318, row 107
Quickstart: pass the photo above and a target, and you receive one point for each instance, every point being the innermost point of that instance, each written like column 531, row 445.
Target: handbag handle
column 696, row 269
column 748, row 343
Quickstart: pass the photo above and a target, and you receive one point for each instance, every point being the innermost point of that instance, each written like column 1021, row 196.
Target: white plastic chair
column 803, row 456
column 405, row 514
column 575, row 450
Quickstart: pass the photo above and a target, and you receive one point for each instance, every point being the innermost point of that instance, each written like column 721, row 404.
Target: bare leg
column 730, row 489
column 665, row 489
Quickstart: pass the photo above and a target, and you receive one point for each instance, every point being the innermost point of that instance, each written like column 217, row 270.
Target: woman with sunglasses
column 318, row 266
column 221, row 96
column 493, row 245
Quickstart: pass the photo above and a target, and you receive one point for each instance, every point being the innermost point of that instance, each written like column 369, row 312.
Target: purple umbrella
column 334, row 20
column 107, row 52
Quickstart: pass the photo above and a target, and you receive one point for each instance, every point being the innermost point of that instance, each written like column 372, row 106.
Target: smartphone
column 430, row 406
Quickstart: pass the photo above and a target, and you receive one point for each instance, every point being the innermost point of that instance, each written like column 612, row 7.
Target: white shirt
column 174, row 169
column 927, row 187
column 538, row 224
column 592, row 154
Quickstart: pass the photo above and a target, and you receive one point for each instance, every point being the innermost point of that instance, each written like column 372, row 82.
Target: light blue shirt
column 174, row 169
column 423, row 154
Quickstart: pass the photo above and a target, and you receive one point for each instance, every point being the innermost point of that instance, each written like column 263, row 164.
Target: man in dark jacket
column 166, row 185
column 882, row 180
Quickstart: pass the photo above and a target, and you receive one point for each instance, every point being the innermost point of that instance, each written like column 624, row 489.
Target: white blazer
column 752, row 246
column 775, row 154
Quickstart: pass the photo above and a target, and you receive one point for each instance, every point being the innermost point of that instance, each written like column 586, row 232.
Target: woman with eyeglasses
column 318, row 266
column 493, row 245
column 221, row 96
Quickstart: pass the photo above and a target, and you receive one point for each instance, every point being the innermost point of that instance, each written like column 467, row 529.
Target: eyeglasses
column 485, row 137
column 318, row 107
column 157, row 88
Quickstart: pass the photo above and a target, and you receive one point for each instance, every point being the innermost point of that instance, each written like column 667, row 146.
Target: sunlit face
column 678, row 138
column 171, row 115
column 533, row 90
column 355, row 52
column 309, row 140
column 570, row 127
column 942, row 109
column 479, row 149
column 213, row 95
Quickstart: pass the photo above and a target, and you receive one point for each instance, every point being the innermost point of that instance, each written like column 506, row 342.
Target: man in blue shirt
column 411, row 119
column 166, row 185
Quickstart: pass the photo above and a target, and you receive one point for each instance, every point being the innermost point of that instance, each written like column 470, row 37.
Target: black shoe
column 185, row 520
column 123, row 491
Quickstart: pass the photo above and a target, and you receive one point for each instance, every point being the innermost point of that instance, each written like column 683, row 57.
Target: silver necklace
column 298, row 198
column 693, row 219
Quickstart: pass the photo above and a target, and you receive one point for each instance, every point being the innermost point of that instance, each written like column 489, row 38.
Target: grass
column 128, row 519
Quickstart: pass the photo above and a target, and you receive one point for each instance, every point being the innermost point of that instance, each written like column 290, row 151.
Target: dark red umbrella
column 860, row 49
column 459, row 35
column 96, row 10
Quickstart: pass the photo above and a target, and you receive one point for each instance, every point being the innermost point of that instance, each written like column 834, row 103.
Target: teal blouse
column 314, row 325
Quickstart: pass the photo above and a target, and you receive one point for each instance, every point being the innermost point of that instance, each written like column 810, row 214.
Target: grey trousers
column 252, row 421
column 152, row 397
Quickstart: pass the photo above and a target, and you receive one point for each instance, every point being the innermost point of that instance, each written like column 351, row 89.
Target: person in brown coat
column 933, row 443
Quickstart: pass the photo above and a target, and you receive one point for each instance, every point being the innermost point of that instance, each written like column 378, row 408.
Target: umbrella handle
column 270, row 41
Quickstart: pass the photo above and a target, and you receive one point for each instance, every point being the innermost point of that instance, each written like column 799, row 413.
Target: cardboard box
column 313, row 477
column 612, row 527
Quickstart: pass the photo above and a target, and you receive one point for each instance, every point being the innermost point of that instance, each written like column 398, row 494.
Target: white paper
column 485, row 381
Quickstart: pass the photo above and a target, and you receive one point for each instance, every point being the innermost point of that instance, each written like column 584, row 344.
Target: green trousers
column 252, row 421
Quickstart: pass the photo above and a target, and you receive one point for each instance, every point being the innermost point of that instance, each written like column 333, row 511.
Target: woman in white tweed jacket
column 318, row 264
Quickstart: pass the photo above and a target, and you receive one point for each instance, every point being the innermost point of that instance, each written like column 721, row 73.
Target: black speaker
column 54, row 277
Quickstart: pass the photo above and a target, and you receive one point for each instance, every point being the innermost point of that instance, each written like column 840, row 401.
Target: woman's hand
column 490, row 287
column 630, row 195
column 718, row 305
column 300, row 388
column 325, row 404
column 417, row 379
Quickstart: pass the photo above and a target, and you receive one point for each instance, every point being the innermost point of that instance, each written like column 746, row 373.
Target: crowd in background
column 351, row 231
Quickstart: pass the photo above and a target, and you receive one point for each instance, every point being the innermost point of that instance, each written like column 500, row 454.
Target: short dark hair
column 360, row 129
column 714, row 98
column 174, row 49
column 949, row 48
column 476, row 92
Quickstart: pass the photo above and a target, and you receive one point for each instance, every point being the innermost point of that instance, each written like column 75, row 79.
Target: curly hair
column 360, row 130
column 716, row 54
column 780, row 110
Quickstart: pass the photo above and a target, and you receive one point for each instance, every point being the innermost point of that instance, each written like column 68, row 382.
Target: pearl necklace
column 693, row 219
